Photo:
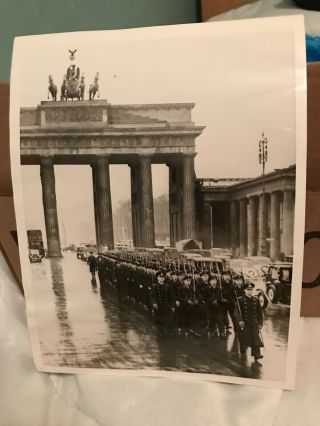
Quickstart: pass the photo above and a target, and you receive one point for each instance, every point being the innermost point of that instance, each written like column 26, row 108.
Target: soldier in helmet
column 250, row 318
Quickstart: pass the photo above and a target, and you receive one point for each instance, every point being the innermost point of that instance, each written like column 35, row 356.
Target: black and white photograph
column 159, row 188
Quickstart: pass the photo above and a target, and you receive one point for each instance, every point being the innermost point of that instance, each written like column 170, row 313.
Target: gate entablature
column 66, row 130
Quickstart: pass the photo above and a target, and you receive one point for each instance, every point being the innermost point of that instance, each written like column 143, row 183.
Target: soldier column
column 50, row 207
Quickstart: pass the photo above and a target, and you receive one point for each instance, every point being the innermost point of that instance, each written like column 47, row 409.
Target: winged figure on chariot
column 72, row 86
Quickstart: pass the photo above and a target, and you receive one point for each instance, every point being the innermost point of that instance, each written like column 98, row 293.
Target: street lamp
column 263, row 158
column 263, row 152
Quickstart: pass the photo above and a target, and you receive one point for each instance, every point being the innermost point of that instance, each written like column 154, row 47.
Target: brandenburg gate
column 99, row 134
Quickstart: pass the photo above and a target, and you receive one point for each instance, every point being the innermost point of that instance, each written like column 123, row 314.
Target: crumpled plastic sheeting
column 28, row 397
column 265, row 8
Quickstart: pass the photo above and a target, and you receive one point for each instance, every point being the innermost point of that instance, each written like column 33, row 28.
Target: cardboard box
column 211, row 8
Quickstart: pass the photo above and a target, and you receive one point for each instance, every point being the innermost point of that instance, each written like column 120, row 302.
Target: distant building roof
column 219, row 182
column 230, row 182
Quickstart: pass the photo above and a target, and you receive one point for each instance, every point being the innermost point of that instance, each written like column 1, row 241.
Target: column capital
column 142, row 157
column 46, row 161
column 189, row 154
column 102, row 158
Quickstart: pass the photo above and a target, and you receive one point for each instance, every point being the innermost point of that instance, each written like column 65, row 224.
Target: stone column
column 103, row 202
column 135, row 204
column 252, row 227
column 234, row 224
column 288, row 219
column 50, row 207
column 206, row 226
column 147, row 234
column 188, row 197
column 262, row 225
column 275, row 226
column 243, row 233
column 172, row 202
column 96, row 222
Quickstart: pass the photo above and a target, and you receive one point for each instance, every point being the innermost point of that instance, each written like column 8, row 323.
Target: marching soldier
column 203, row 281
column 212, row 299
column 92, row 265
column 173, row 281
column 250, row 317
column 202, row 284
column 101, row 268
column 188, row 305
column 229, row 294
column 162, row 302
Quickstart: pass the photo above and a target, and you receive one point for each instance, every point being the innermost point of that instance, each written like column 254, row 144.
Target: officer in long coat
column 250, row 318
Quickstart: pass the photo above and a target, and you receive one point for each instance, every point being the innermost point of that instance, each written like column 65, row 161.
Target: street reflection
column 87, row 325
column 66, row 347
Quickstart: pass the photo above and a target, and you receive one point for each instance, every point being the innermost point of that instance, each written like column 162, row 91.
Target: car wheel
column 263, row 300
column 272, row 293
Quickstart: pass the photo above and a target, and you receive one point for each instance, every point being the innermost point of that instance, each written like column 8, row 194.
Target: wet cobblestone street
column 83, row 325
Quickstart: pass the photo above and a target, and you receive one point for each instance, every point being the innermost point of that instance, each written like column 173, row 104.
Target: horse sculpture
column 94, row 88
column 52, row 89
column 81, row 89
column 63, row 95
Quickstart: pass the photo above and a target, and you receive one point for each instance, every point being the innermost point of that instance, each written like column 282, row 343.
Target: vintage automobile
column 79, row 252
column 288, row 258
column 201, row 252
column 278, row 282
column 34, row 256
column 250, row 271
column 261, row 262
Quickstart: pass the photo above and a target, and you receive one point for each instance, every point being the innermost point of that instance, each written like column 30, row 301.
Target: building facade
column 253, row 217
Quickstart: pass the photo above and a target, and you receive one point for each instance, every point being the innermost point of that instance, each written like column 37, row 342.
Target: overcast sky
column 239, row 75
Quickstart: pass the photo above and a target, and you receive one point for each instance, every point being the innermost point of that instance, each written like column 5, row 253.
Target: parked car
column 288, row 258
column 261, row 262
column 34, row 256
column 79, row 252
column 252, row 272
column 278, row 281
